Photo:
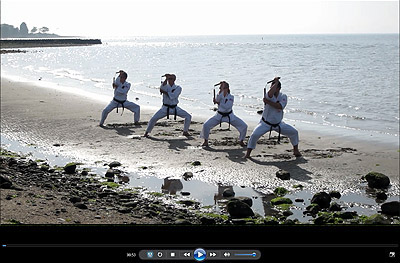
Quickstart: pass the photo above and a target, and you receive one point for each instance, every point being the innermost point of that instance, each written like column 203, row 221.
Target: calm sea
column 345, row 85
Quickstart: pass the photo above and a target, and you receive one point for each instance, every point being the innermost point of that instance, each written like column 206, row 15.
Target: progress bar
column 199, row 254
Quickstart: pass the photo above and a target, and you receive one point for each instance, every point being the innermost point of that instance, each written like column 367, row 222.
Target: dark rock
column 335, row 207
column 182, row 222
column 70, row 168
column 185, row 193
column 244, row 199
column 124, row 210
column 32, row 163
column 322, row 199
column 260, row 112
column 5, row 183
column 238, row 221
column 110, row 173
column 377, row 220
column 381, row 195
column 283, row 175
column 391, row 208
column 12, row 161
column 299, row 200
column 335, row 194
column 281, row 200
column 114, row 164
column 271, row 221
column 207, row 220
column 377, row 180
column 323, row 219
column 102, row 194
column 84, row 173
column 75, row 199
column 196, row 163
column 280, row 191
column 228, row 193
column 44, row 168
column 131, row 204
column 289, row 222
column 287, row 213
column 347, row 215
column 239, row 209
column 313, row 209
column 80, row 205
column 187, row 176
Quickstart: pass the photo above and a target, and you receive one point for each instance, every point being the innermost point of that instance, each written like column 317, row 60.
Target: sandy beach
column 45, row 117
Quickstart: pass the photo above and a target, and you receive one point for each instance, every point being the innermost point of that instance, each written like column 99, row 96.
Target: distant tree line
column 9, row 31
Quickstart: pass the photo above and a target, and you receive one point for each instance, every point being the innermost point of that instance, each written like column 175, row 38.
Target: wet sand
column 44, row 117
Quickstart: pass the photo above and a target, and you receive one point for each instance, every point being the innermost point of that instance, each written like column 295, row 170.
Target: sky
column 118, row 18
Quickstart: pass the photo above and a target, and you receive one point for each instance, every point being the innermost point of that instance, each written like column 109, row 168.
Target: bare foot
column 186, row 134
column 297, row 153
column 102, row 126
column 205, row 144
column 136, row 123
column 242, row 143
column 248, row 153
column 146, row 134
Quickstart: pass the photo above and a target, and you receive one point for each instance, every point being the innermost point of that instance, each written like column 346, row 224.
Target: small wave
column 350, row 116
column 98, row 80
column 69, row 73
column 312, row 113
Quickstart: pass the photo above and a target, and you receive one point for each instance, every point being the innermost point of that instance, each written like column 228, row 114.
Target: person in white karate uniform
column 224, row 114
column 121, row 88
column 170, row 93
column 274, row 103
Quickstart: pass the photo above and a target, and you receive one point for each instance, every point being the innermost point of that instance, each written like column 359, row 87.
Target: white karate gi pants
column 236, row 122
column 263, row 128
column 127, row 105
column 161, row 113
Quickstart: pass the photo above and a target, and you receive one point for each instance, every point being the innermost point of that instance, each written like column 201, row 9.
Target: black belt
column 120, row 102
column 172, row 107
column 225, row 114
column 273, row 126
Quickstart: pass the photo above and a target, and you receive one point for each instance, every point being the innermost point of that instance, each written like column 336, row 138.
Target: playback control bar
column 199, row 254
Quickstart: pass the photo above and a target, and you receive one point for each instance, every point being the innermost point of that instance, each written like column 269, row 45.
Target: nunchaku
column 215, row 86
column 273, row 80
column 114, row 77
column 118, row 72
column 265, row 88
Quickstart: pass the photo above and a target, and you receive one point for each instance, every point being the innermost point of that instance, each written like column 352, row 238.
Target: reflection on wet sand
column 171, row 185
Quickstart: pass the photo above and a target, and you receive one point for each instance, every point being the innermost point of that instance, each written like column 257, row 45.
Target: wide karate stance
column 170, row 93
column 121, row 88
column 274, row 103
column 224, row 114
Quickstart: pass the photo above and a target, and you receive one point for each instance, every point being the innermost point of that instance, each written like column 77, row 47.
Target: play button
column 199, row 254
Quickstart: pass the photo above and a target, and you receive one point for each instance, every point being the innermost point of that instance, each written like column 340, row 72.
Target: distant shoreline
column 54, row 42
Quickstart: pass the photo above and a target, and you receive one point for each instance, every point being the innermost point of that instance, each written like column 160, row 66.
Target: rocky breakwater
column 51, row 42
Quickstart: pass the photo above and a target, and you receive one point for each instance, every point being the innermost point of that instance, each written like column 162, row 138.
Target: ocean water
column 343, row 85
